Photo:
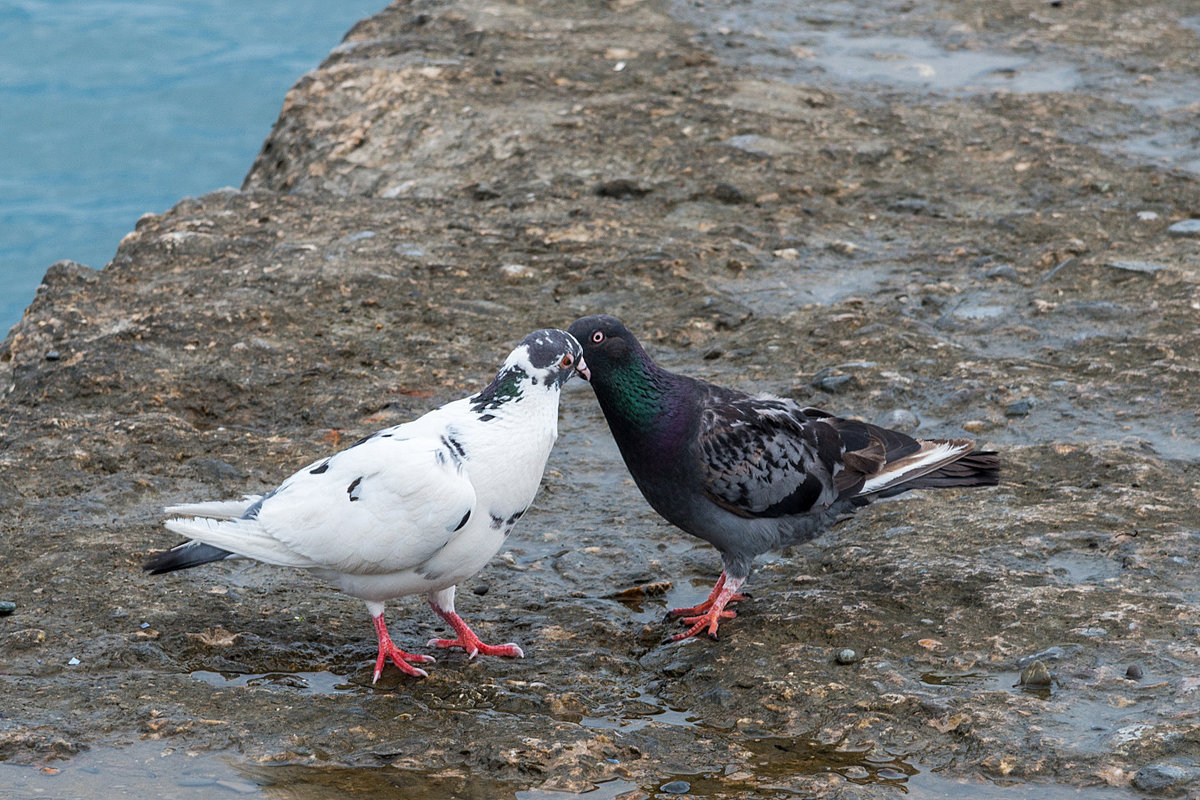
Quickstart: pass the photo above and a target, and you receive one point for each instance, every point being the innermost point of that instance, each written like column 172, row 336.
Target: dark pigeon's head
column 549, row 357
column 607, row 344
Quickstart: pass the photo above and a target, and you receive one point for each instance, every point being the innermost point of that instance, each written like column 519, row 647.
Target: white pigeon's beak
column 582, row 368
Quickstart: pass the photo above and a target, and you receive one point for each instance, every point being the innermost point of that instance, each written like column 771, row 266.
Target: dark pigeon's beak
column 582, row 368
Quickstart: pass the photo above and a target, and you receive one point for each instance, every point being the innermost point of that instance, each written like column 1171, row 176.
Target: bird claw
column 401, row 659
column 475, row 647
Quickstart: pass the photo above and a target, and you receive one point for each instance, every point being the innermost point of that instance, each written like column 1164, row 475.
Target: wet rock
column 728, row 193
column 216, row 470
column 518, row 272
column 1134, row 672
column 900, row 419
column 676, row 787
column 677, row 669
column 621, row 189
column 7, row 607
column 409, row 250
column 846, row 656
column 1148, row 267
column 138, row 379
column 1019, row 408
column 909, row 205
column 26, row 639
column 1163, row 777
column 483, row 191
column 1187, row 227
column 1005, row 272
column 833, row 382
column 1054, row 653
column 53, row 355
column 1036, row 674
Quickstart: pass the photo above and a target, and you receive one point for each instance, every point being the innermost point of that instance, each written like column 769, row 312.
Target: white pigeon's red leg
column 712, row 598
column 443, row 603
column 389, row 650
column 724, row 592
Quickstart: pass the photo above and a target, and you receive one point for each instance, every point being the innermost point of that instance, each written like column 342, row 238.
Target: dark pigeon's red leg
column 713, row 609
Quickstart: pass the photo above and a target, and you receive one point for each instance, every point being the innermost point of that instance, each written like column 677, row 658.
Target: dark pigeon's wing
column 762, row 457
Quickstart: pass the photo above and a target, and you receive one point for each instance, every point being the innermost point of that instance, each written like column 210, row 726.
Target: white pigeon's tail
column 217, row 509
column 243, row 537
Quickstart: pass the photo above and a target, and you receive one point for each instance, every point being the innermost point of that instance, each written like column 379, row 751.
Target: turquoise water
column 112, row 108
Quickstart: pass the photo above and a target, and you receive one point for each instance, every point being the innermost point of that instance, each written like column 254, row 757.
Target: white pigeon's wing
column 386, row 504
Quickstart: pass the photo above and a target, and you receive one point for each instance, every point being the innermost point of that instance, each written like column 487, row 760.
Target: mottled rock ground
column 974, row 261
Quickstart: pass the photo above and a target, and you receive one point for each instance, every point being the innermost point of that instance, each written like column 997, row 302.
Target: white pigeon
column 415, row 508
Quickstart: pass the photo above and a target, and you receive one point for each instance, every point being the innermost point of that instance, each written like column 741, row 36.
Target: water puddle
column 153, row 769
column 776, row 756
column 641, row 710
column 770, row 34
column 1082, row 567
column 833, row 43
column 900, row 60
column 785, row 759
column 309, row 682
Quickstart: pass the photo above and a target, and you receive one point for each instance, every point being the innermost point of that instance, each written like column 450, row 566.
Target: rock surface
column 458, row 173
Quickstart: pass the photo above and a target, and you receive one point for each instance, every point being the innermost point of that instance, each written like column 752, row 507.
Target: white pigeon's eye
column 598, row 337
column 567, row 361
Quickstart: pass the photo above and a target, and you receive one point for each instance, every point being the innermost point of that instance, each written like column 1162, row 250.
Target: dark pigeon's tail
column 880, row 462
column 188, row 554
column 976, row 468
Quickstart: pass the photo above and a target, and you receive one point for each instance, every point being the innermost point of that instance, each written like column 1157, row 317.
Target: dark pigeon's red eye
column 598, row 337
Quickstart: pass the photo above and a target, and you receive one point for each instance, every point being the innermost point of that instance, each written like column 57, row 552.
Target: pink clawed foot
column 710, row 613
column 469, row 642
column 400, row 658
column 707, row 604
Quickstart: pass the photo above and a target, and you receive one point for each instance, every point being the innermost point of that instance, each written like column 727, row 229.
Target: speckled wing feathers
column 760, row 457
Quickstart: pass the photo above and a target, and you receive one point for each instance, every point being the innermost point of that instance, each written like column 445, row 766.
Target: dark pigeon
column 750, row 474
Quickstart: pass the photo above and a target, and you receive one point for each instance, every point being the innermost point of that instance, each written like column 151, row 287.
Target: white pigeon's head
column 543, row 361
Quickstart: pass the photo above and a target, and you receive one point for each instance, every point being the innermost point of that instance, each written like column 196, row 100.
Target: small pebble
column 728, row 193
column 846, row 656
column 1134, row 672
column 1147, row 216
column 900, row 419
column 834, row 383
column 73, row 662
column 1019, row 408
column 1162, row 777
column 518, row 272
column 676, row 787
column 621, row 188
column 1148, row 267
column 974, row 426
column 1054, row 653
column 1036, row 674
column 1187, row 227
column 7, row 607
column 1004, row 272
column 53, row 355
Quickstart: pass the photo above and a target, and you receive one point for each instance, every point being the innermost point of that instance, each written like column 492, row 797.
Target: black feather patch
column 321, row 469
column 463, row 521
column 353, row 485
